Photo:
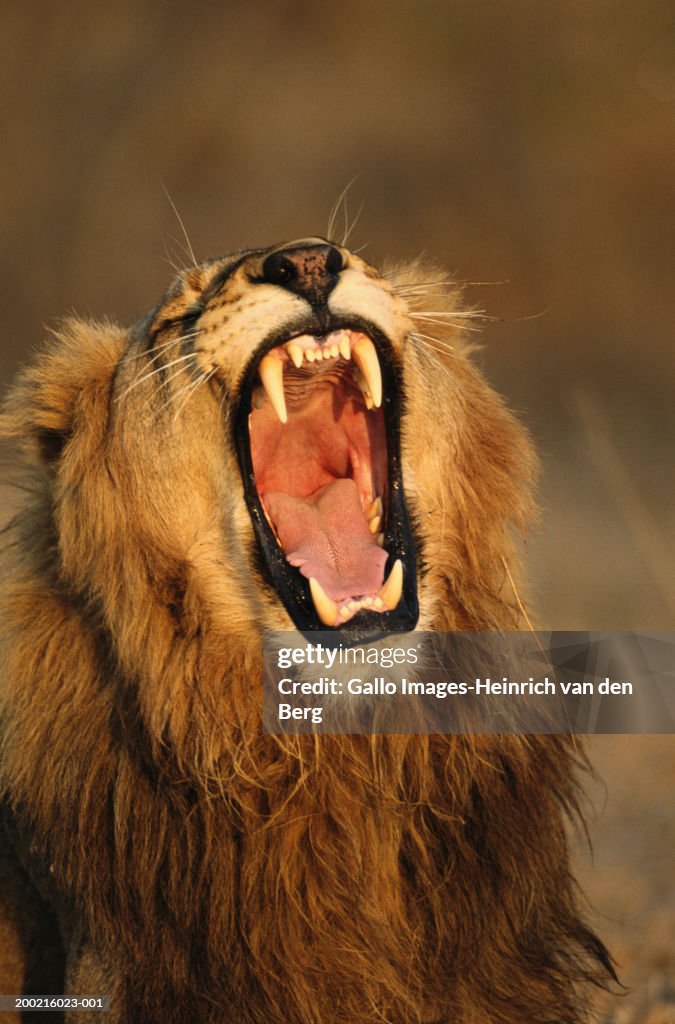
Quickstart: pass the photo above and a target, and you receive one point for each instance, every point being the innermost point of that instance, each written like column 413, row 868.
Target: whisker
column 423, row 295
column 431, row 352
column 157, row 349
column 170, row 263
column 444, row 313
column 419, row 284
column 348, row 230
column 434, row 356
column 341, row 201
column 190, row 389
column 482, row 284
column 169, row 256
column 423, row 290
column 152, row 373
column 190, row 250
column 444, row 323
column 330, row 227
column 171, row 398
column 429, row 337
column 443, row 347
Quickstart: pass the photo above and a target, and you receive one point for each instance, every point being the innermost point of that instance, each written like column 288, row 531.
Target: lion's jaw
column 315, row 390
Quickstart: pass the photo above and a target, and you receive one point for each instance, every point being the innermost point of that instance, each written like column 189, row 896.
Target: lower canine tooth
column 271, row 372
column 375, row 524
column 392, row 588
column 366, row 359
column 326, row 609
column 258, row 398
column 362, row 385
column 376, row 508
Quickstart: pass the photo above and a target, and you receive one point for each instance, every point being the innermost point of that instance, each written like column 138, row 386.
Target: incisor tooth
column 295, row 352
column 326, row 609
column 375, row 524
column 345, row 347
column 334, row 351
column 366, row 359
column 310, row 355
column 271, row 371
column 392, row 588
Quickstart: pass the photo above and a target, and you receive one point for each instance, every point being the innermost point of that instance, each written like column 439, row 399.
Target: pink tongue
column 326, row 536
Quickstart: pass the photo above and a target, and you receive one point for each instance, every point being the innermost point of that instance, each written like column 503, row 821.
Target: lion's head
column 288, row 438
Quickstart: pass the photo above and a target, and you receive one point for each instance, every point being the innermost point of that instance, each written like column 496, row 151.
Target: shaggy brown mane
column 204, row 871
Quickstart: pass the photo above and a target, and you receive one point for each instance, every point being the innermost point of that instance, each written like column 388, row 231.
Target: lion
column 290, row 439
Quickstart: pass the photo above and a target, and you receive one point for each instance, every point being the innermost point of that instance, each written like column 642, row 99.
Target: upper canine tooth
column 326, row 609
column 295, row 352
column 392, row 588
column 366, row 359
column 271, row 372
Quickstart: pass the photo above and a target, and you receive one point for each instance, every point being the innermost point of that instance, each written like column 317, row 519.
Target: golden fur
column 202, row 871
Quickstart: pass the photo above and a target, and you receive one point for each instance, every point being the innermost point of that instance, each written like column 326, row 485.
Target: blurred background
column 527, row 147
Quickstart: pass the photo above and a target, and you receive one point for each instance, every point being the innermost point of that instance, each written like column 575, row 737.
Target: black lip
column 290, row 585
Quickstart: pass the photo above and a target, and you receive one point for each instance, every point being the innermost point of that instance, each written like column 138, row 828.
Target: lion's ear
column 62, row 388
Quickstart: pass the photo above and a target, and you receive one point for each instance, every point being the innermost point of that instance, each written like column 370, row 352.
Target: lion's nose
column 309, row 270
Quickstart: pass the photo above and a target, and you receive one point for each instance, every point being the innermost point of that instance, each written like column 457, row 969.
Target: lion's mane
column 229, row 875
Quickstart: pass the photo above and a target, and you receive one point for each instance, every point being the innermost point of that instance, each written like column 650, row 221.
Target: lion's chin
column 317, row 433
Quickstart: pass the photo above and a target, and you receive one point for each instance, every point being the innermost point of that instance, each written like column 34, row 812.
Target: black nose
column 308, row 270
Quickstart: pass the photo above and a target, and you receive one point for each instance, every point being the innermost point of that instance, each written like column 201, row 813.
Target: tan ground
column 630, row 881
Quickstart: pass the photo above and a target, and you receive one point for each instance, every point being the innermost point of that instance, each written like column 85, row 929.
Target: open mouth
column 317, row 433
